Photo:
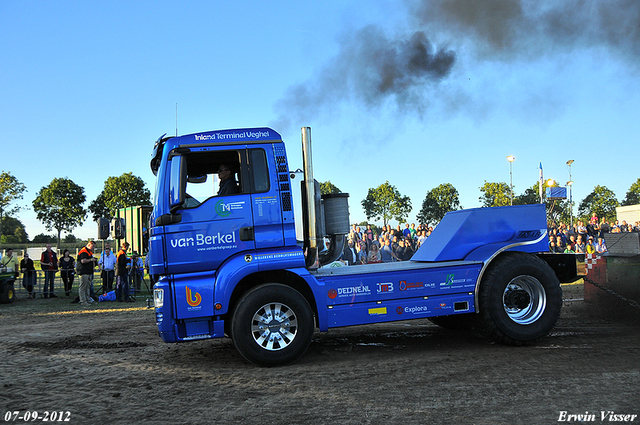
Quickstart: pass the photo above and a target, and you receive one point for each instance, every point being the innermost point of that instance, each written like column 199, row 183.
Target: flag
column 540, row 183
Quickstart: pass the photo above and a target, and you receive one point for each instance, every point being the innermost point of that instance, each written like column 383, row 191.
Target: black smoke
column 406, row 71
column 506, row 29
column 370, row 69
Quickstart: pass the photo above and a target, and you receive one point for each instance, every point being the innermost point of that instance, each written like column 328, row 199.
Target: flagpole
column 540, row 183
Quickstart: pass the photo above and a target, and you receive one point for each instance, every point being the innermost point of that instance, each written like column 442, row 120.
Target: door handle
column 246, row 233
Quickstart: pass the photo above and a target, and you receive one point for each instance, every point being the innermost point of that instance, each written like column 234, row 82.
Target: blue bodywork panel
column 398, row 291
column 476, row 234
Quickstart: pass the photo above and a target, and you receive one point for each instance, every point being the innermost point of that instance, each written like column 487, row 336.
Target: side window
column 210, row 174
column 259, row 170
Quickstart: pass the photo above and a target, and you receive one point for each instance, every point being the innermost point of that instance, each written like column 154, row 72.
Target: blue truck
column 253, row 265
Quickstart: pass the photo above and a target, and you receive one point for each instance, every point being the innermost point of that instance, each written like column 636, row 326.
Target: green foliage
column 119, row 192
column 530, row 196
column 11, row 190
column 42, row 238
column 70, row 239
column 495, row 194
column 385, row 202
column 602, row 201
column 59, row 205
column 557, row 209
column 328, row 187
column 439, row 201
column 633, row 195
column 14, row 231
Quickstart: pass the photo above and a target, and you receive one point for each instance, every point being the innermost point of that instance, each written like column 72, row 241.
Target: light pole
column 570, row 184
column 511, row 158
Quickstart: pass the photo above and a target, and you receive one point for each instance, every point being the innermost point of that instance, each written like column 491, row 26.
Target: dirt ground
column 106, row 365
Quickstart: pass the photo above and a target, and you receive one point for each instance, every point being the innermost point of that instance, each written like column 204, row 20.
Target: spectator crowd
column 127, row 271
column 586, row 239
column 364, row 246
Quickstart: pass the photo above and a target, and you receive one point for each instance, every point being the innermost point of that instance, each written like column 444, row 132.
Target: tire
column 7, row 292
column 520, row 299
column 455, row 322
column 272, row 325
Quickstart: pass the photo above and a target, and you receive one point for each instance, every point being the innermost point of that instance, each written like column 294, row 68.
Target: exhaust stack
column 326, row 215
column 311, row 244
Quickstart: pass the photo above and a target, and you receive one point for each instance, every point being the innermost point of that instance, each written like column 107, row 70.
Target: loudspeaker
column 117, row 228
column 103, row 228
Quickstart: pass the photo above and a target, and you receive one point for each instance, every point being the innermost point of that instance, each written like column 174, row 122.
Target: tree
column 386, row 202
column 439, row 201
column 530, row 196
column 70, row 239
column 633, row 194
column 601, row 201
column 59, row 205
column 119, row 192
column 42, row 238
column 328, row 187
column 495, row 194
column 14, row 231
column 11, row 189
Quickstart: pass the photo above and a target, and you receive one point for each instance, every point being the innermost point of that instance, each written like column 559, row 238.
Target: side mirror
column 197, row 179
column 178, row 182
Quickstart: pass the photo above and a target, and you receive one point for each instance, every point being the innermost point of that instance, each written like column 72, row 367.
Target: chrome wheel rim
column 274, row 326
column 524, row 300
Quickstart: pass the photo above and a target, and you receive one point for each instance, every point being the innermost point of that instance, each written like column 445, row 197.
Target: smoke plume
column 508, row 28
column 406, row 71
column 371, row 69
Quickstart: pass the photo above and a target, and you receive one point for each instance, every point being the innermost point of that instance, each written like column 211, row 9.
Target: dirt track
column 108, row 366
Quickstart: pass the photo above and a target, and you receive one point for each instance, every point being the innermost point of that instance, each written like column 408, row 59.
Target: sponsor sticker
column 408, row 286
column 350, row 291
column 386, row 287
column 224, row 209
column 193, row 299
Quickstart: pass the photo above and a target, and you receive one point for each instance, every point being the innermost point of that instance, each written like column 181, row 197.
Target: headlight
column 158, row 298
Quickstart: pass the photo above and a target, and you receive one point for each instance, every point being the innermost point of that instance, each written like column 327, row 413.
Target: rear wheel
column 272, row 325
column 520, row 299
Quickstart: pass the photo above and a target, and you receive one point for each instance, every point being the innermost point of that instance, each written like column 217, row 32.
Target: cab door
column 211, row 229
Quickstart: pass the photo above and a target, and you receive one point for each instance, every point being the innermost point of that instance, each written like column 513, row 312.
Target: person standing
column 122, row 278
column 136, row 273
column 67, row 271
column 28, row 275
column 88, row 263
column 49, row 265
column 107, row 265
column 349, row 254
column 601, row 246
column 10, row 261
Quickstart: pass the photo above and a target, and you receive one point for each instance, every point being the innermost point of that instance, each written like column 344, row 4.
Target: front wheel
column 272, row 325
column 7, row 293
column 520, row 299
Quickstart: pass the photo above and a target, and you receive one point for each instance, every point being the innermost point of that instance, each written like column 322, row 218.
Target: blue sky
column 416, row 93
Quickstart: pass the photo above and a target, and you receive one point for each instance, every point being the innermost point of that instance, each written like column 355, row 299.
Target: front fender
column 242, row 265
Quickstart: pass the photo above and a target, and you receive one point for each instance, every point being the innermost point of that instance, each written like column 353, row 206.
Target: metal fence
column 138, row 284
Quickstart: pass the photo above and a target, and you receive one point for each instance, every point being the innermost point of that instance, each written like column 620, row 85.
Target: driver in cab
column 228, row 183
